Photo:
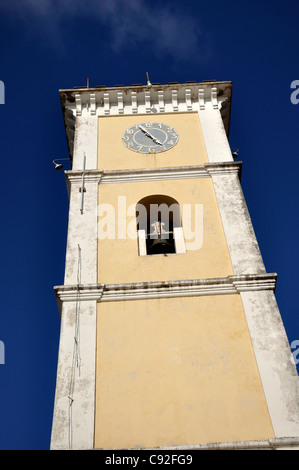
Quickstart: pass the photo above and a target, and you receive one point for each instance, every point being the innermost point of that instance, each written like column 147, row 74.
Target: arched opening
column 159, row 225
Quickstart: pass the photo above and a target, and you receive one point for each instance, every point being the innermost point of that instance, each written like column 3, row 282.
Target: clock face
column 150, row 137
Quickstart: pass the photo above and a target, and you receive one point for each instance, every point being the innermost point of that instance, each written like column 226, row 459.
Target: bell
column 160, row 246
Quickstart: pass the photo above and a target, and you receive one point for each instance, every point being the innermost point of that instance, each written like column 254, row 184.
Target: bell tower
column 170, row 332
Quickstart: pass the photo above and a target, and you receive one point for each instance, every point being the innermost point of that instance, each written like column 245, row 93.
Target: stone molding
column 154, row 174
column 156, row 98
column 165, row 289
column 275, row 443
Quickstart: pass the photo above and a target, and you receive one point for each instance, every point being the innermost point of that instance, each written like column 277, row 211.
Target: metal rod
column 82, row 187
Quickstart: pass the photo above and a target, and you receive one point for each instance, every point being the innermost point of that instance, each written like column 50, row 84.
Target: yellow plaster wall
column 113, row 155
column 118, row 259
column 176, row 371
column 172, row 371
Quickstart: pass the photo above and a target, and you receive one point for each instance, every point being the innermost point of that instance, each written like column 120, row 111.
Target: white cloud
column 153, row 25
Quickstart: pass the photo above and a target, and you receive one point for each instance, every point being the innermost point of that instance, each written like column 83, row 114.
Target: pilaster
column 73, row 419
column 273, row 356
column 241, row 240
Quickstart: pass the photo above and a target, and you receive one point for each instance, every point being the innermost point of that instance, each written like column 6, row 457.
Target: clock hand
column 149, row 134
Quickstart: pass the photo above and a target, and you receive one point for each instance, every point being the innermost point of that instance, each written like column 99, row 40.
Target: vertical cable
column 76, row 360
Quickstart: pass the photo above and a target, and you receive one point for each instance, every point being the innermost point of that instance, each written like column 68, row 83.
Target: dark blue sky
column 47, row 45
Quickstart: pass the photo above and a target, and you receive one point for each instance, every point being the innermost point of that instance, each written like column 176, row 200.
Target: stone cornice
column 143, row 99
column 152, row 290
column 154, row 174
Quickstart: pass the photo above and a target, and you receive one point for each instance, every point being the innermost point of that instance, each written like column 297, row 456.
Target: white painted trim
column 120, row 100
column 92, row 103
column 82, row 231
column 161, row 101
column 134, row 108
column 214, row 99
column 73, row 418
column 155, row 174
column 141, row 243
column 85, row 142
column 106, row 103
column 214, row 134
column 278, row 374
column 188, row 100
column 201, row 98
column 139, row 100
column 174, row 99
column 78, row 104
column 182, row 288
column 241, row 241
column 147, row 99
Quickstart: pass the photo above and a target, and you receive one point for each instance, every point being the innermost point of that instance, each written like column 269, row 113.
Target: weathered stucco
column 176, row 371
